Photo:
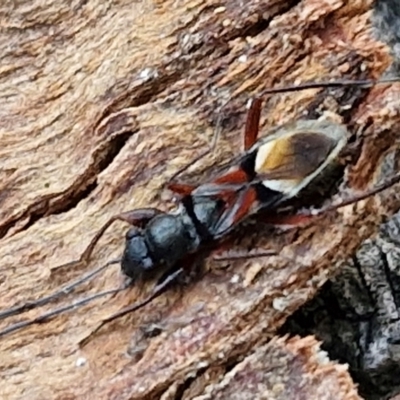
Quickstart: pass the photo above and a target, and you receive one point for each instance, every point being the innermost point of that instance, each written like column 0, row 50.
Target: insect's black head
column 136, row 259
column 164, row 241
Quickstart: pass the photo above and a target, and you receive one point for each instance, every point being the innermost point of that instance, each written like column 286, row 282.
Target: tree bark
column 101, row 103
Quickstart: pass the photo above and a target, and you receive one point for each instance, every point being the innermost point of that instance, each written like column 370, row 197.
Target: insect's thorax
column 201, row 214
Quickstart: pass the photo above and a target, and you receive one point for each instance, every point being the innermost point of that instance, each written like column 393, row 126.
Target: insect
column 271, row 170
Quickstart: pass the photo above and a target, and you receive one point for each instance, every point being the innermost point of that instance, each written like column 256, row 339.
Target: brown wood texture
column 101, row 102
column 284, row 369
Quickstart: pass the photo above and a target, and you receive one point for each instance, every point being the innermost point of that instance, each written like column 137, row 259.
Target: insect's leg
column 182, row 189
column 211, row 148
column 188, row 165
column 243, row 255
column 356, row 198
column 139, row 217
column 237, row 176
column 156, row 292
column 250, row 137
column 252, row 123
column 238, row 209
column 46, row 316
column 306, row 217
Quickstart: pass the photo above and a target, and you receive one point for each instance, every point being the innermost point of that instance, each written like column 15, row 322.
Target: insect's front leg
column 159, row 289
column 139, row 217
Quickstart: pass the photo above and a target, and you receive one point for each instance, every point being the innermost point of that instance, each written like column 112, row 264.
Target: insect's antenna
column 339, row 83
column 61, row 292
column 156, row 292
column 46, row 316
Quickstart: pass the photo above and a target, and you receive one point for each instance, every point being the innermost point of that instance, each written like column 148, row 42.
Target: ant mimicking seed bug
column 271, row 170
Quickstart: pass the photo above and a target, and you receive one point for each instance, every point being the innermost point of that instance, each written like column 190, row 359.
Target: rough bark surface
column 100, row 103
column 282, row 369
column 356, row 315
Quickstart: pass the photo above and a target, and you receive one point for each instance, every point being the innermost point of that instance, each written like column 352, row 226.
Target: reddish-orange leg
column 306, row 217
column 252, row 124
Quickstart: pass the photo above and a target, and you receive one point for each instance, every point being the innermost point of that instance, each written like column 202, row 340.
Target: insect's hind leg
column 305, row 217
column 388, row 183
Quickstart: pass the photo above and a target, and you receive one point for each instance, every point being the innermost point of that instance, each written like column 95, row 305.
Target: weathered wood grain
column 284, row 369
column 100, row 103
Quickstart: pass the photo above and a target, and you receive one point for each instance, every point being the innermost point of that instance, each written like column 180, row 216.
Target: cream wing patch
column 272, row 155
column 272, row 158
column 285, row 186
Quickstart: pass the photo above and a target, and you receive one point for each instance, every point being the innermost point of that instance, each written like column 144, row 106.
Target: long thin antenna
column 61, row 292
column 46, row 316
